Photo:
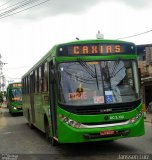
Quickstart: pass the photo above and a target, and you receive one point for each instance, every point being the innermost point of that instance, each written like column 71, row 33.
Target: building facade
column 145, row 64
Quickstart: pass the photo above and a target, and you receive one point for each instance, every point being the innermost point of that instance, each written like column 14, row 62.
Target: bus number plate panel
column 107, row 132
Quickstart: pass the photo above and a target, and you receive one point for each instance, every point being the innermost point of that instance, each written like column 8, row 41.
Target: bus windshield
column 98, row 82
column 16, row 94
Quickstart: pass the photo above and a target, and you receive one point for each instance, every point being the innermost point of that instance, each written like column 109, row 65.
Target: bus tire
column 29, row 121
column 47, row 135
column 47, row 131
column 110, row 141
column 53, row 142
column 11, row 113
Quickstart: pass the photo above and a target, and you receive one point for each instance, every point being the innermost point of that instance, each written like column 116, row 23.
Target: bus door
column 32, row 97
column 52, row 99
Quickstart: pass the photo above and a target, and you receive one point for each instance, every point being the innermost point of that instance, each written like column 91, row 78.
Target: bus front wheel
column 47, row 135
column 29, row 121
column 47, row 131
column 53, row 142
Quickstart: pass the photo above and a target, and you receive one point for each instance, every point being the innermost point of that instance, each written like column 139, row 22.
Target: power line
column 21, row 67
column 5, row 3
column 22, row 5
column 135, row 34
column 11, row 78
column 14, row 5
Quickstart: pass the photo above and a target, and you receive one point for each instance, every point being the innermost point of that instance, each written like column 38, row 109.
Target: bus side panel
column 41, row 109
column 26, row 106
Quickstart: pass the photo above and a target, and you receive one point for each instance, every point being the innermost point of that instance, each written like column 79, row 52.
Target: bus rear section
column 14, row 98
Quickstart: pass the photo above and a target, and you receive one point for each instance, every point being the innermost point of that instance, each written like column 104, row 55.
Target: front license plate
column 18, row 107
column 107, row 132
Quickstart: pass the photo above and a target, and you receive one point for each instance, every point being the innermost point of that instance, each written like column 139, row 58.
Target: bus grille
column 101, row 108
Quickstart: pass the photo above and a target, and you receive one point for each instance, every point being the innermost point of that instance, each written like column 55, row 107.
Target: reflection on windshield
column 86, row 83
column 16, row 94
column 113, row 73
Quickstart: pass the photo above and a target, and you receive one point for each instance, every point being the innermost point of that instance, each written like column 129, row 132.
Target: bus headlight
column 14, row 108
column 136, row 118
column 70, row 122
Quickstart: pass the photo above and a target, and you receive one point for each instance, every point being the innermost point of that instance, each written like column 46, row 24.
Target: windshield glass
column 88, row 83
column 16, row 94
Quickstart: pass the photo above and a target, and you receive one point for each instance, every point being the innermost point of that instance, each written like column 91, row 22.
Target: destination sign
column 17, row 85
column 96, row 49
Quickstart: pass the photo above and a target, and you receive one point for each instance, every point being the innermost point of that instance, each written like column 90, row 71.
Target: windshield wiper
column 89, row 70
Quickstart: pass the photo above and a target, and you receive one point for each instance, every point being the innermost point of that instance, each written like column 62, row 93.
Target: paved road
column 18, row 141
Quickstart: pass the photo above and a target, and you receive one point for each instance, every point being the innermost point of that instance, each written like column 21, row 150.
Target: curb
column 150, row 121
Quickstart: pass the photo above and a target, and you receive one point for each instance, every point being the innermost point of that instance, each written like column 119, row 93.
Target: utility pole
column 2, row 77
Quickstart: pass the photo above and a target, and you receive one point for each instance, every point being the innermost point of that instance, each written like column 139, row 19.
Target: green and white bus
column 84, row 91
column 14, row 98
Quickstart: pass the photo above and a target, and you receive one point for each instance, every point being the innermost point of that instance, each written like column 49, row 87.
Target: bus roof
column 95, row 41
column 52, row 52
column 14, row 85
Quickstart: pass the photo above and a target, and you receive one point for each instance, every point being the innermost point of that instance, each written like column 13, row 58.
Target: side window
column 28, row 84
column 43, row 77
column 40, row 79
column 23, row 82
column 45, row 86
column 36, row 81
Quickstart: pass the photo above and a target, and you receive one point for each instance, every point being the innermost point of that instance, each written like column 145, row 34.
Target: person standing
column 1, row 99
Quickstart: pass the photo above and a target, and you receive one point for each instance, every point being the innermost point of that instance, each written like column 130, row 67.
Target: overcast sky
column 25, row 36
